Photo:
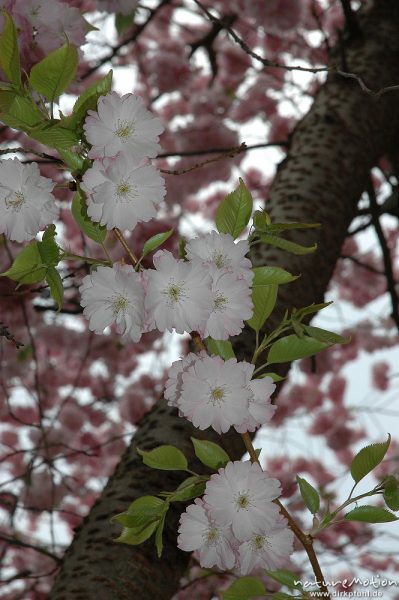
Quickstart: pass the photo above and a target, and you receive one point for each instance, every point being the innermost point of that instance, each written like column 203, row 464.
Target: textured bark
column 326, row 170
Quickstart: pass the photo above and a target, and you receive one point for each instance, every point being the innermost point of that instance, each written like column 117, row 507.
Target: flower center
column 258, row 542
column 243, row 500
column 16, row 201
column 219, row 259
column 217, row 394
column 125, row 191
column 219, row 302
column 124, row 130
column 212, row 536
column 175, row 292
column 120, row 305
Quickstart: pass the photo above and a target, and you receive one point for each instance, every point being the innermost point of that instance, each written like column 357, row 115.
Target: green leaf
column 210, row 454
column 268, row 275
column 158, row 536
column 221, row 348
column 325, row 336
column 391, row 493
column 88, row 101
column 261, row 220
column 264, row 296
column 285, row 577
column 49, row 251
column 73, row 160
column 368, row 458
column 277, row 227
column 155, row 241
column 311, row 309
column 283, row 244
column 54, row 280
column 54, row 135
column 27, row 266
column 309, row 495
column 234, row 211
column 276, row 378
column 94, row 231
column 182, row 249
column 244, row 588
column 123, row 22
column 291, row 348
column 370, row 514
column 9, row 54
column 192, row 487
column 133, row 537
column 166, row 458
column 52, row 75
column 142, row 512
column 18, row 112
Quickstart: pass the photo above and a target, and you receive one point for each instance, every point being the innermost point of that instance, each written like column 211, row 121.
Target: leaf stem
column 119, row 236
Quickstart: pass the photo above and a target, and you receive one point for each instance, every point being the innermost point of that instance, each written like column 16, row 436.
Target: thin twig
column 230, row 154
column 386, row 254
column 242, row 148
column 125, row 245
column 350, row 18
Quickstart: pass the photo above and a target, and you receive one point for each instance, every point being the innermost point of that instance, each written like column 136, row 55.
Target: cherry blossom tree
column 298, row 100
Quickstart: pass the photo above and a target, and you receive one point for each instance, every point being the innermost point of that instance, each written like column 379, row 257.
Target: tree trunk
column 326, row 170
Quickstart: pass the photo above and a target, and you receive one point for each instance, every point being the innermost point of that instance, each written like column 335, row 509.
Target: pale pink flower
column 221, row 254
column 214, row 542
column 121, row 192
column 173, row 386
column 114, row 296
column 241, row 495
column 232, row 304
column 55, row 22
column 380, row 375
column 267, row 549
column 214, row 394
column 122, row 124
column 260, row 409
column 26, row 202
column 178, row 294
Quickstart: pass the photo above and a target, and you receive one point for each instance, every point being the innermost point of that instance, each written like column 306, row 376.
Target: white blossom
column 122, row 124
column 214, row 542
column 121, row 192
column 241, row 495
column 26, row 202
column 173, row 385
column 114, row 296
column 178, row 294
column 221, row 254
column 268, row 549
column 260, row 410
column 232, row 304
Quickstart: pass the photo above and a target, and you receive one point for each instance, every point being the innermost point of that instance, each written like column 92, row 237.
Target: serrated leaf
column 9, row 54
column 287, row 245
column 73, row 160
column 264, row 298
column 311, row 309
column 261, row 220
column 368, row 458
column 370, row 514
column 158, row 537
column 244, row 588
column 54, row 135
column 309, row 495
column 27, row 266
column 18, row 112
column 88, row 101
column 234, row 211
column 291, row 348
column 391, row 493
column 52, row 75
column 268, row 275
column 323, row 335
column 142, row 512
column 285, row 577
column 49, row 251
column 54, row 280
column 210, row 454
column 192, row 487
column 94, row 231
column 274, row 376
column 277, row 227
column 221, row 348
column 165, row 458
column 133, row 537
column 155, row 241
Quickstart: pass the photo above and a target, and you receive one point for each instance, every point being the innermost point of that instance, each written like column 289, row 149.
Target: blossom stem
column 198, row 343
column 306, row 540
column 125, row 245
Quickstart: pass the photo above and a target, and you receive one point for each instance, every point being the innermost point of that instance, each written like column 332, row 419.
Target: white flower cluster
column 236, row 524
column 210, row 293
column 26, row 202
column 211, row 392
column 122, row 189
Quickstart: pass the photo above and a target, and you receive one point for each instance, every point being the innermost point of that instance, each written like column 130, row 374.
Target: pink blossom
column 268, row 549
column 380, row 378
